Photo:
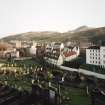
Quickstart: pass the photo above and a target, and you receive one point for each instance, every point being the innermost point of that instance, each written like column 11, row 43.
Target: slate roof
column 94, row 47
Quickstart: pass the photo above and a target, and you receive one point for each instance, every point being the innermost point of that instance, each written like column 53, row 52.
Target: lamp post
column 59, row 90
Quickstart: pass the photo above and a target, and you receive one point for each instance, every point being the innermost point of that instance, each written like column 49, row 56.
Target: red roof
column 69, row 53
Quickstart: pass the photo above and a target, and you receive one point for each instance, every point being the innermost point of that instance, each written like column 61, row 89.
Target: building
column 85, row 44
column 70, row 53
column 33, row 48
column 24, row 52
column 56, row 53
column 53, row 53
column 21, row 43
column 4, row 47
column 37, row 50
column 18, row 44
column 95, row 55
column 11, row 53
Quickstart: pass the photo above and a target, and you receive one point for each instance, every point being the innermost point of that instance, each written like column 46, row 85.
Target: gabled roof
column 69, row 53
column 94, row 47
column 70, row 47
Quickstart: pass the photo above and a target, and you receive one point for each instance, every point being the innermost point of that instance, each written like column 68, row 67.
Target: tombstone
column 5, row 82
column 49, row 83
column 33, row 81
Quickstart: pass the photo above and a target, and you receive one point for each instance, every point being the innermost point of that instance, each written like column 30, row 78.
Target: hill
column 82, row 28
column 80, row 34
column 32, row 36
column 93, row 35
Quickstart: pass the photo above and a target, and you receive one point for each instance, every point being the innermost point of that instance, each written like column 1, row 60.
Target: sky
column 19, row 16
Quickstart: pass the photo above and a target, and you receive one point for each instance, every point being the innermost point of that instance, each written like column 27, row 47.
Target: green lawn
column 16, row 82
column 77, row 96
column 73, row 96
column 24, row 83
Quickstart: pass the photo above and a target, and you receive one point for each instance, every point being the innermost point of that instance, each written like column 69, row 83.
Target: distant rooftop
column 94, row 47
column 70, row 53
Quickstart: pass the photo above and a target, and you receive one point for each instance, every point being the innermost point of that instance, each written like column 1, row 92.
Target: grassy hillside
column 90, row 35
